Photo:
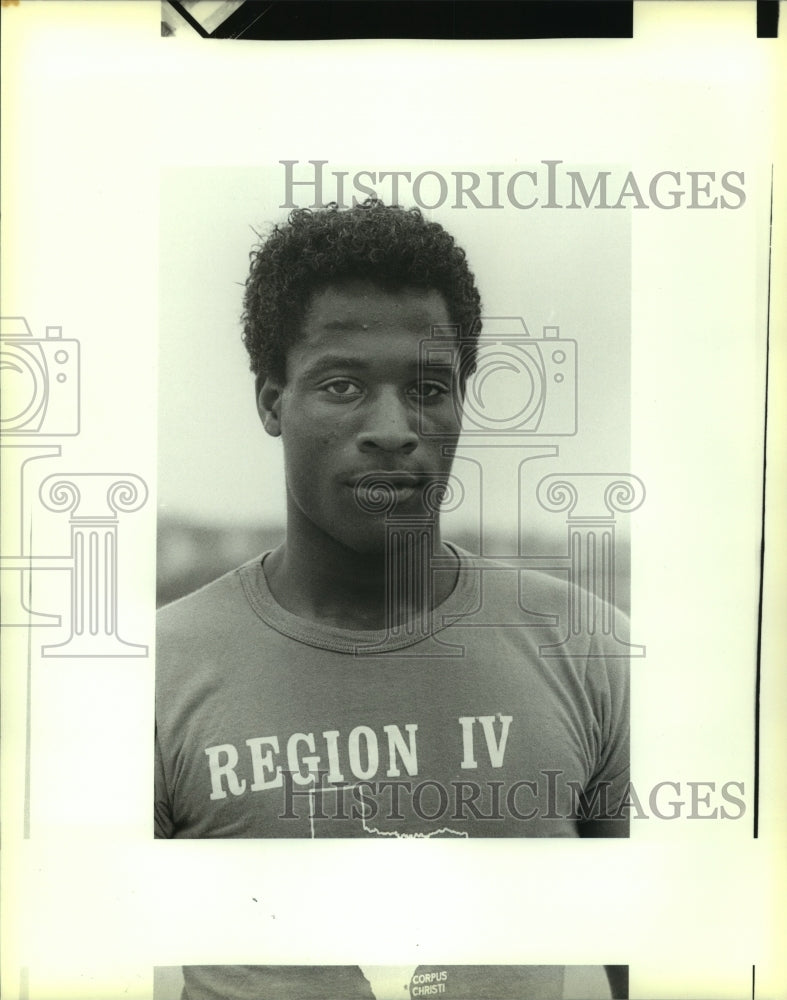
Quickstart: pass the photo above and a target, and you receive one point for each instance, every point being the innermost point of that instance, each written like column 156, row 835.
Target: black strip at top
column 767, row 18
column 444, row 19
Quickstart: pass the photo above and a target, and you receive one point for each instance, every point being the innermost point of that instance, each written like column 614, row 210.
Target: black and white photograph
column 468, row 982
column 375, row 673
column 392, row 457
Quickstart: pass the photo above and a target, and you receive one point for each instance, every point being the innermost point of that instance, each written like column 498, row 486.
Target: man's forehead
column 364, row 305
column 359, row 325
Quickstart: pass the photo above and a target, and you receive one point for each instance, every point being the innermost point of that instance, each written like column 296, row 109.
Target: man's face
column 356, row 402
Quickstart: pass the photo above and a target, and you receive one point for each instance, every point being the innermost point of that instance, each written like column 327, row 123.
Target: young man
column 366, row 678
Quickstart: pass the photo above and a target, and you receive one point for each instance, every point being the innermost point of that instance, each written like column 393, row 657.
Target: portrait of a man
column 367, row 676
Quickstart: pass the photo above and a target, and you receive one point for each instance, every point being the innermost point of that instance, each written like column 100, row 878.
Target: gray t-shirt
column 275, row 982
column 269, row 725
column 487, row 982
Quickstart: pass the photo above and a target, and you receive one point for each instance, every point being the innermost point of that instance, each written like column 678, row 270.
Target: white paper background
column 95, row 105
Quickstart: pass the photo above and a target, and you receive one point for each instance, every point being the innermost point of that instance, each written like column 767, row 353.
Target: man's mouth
column 378, row 492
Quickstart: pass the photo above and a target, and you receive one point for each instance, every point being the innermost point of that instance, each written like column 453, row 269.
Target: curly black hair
column 388, row 245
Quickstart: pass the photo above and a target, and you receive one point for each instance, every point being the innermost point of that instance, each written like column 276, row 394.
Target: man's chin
column 370, row 542
column 378, row 540
column 371, row 534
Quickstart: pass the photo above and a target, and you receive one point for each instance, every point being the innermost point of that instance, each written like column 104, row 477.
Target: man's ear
column 269, row 393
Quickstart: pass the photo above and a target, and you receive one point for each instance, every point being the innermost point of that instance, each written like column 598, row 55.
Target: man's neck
column 315, row 577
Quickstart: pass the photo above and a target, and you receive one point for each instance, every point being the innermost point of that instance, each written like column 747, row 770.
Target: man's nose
column 390, row 425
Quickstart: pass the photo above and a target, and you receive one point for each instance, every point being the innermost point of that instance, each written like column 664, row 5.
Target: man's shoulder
column 599, row 629
column 202, row 608
column 499, row 572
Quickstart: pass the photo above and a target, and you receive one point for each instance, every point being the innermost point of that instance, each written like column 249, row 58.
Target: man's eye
column 429, row 390
column 341, row 387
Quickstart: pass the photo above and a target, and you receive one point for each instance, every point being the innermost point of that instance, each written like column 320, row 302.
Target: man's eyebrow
column 335, row 361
